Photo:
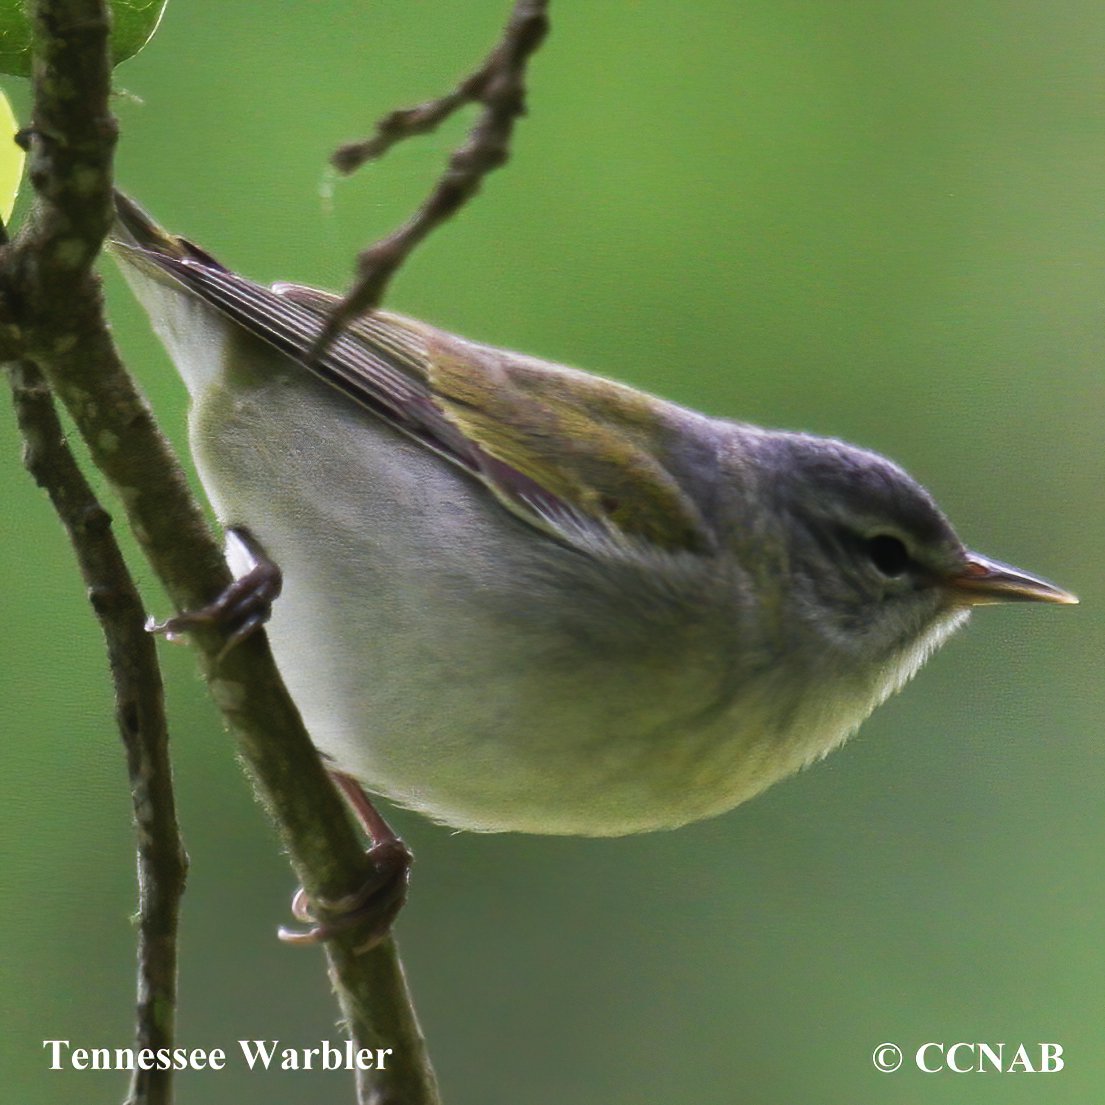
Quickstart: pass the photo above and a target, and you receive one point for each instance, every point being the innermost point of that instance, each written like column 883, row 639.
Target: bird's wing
column 570, row 453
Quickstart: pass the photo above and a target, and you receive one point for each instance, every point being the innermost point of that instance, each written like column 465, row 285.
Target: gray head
column 874, row 570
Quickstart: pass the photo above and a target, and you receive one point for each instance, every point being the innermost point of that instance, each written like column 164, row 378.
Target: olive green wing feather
column 590, row 442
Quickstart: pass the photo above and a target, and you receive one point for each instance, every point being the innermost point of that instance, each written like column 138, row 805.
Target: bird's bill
column 982, row 580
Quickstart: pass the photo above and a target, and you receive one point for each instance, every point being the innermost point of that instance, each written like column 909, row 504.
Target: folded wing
column 570, row 453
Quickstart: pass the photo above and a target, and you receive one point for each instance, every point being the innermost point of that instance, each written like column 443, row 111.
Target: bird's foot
column 243, row 607
column 376, row 904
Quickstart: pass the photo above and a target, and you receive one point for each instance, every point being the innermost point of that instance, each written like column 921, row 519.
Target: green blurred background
column 877, row 221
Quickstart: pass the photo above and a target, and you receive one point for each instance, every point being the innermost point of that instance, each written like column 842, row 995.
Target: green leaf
column 133, row 24
column 11, row 160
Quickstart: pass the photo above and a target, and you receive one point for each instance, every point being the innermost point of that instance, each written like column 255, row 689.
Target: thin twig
column 51, row 312
column 498, row 84
column 139, row 712
column 522, row 35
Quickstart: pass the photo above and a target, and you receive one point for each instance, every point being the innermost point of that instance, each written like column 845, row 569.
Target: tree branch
column 498, row 84
column 51, row 312
column 139, row 713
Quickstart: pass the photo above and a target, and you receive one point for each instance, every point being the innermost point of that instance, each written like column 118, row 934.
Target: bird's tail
column 135, row 232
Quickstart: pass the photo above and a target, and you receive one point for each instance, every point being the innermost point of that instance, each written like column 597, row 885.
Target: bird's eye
column 888, row 553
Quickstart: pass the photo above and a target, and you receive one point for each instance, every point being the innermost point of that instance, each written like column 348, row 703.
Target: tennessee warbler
column 521, row 597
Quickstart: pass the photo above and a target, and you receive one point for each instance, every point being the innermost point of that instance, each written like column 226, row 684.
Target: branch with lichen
column 139, row 714
column 51, row 314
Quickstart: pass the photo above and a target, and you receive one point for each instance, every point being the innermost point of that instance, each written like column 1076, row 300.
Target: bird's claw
column 378, row 902
column 240, row 610
column 374, row 906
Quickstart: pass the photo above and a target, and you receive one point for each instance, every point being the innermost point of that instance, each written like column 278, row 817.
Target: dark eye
column 888, row 553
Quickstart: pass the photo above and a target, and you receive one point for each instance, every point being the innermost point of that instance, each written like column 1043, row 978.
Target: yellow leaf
column 11, row 160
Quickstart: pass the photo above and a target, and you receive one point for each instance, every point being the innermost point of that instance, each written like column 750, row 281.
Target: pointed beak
column 981, row 580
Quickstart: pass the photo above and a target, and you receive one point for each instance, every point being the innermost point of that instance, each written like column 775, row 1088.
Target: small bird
column 518, row 596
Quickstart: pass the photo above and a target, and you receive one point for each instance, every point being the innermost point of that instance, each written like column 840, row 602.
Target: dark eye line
column 883, row 550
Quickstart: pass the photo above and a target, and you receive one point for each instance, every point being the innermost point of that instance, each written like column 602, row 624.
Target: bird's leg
column 239, row 611
column 244, row 606
column 378, row 902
